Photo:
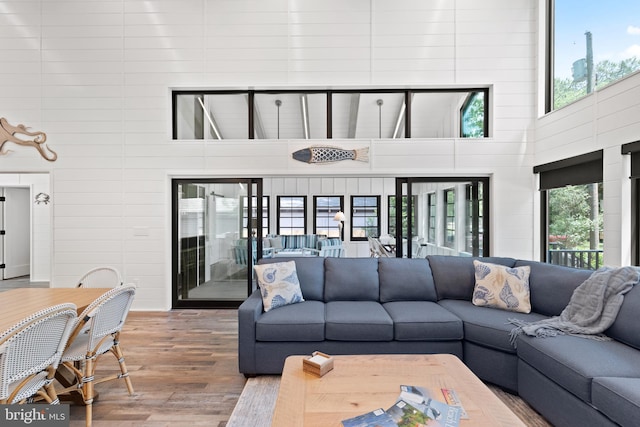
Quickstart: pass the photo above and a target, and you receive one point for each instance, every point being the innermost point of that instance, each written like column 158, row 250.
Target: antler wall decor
column 8, row 134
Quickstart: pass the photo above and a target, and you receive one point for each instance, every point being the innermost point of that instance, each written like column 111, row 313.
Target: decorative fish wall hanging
column 328, row 154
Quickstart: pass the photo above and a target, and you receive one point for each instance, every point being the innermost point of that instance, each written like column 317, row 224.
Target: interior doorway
column 215, row 224
column 15, row 232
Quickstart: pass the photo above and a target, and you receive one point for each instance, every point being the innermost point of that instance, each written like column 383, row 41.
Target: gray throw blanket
column 593, row 307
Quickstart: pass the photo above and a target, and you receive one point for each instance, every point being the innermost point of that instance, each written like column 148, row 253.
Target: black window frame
column 578, row 170
column 391, row 219
column 432, row 215
column 331, row 224
column 266, row 218
column 252, row 119
column 279, row 216
column 449, row 240
column 354, row 214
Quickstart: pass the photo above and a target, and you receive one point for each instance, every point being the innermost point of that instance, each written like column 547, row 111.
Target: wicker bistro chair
column 30, row 352
column 97, row 332
column 100, row 277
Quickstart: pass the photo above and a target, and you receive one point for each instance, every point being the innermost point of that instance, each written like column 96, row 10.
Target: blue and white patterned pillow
column 502, row 287
column 279, row 284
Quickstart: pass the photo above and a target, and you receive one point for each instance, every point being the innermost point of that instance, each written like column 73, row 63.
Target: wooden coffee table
column 363, row 383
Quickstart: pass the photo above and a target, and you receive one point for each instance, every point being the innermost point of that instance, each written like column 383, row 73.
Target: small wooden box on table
column 362, row 383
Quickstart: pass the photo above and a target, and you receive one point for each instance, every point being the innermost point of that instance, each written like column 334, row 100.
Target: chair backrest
column 30, row 347
column 331, row 247
column 100, row 277
column 104, row 316
column 377, row 249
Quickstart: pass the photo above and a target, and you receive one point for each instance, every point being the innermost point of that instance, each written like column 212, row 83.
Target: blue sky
column 614, row 25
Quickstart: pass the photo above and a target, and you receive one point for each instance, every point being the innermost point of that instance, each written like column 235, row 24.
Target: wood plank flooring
column 184, row 369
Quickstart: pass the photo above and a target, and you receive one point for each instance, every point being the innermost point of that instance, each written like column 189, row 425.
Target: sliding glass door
column 440, row 216
column 215, row 222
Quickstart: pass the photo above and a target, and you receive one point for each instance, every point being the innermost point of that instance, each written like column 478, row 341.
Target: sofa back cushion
column 310, row 272
column 404, row 279
column 551, row 286
column 351, row 279
column 626, row 327
column 455, row 276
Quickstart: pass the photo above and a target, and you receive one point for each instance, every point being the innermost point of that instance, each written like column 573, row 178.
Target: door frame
column 176, row 302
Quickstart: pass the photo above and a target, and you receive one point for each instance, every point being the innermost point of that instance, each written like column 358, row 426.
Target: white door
column 15, row 225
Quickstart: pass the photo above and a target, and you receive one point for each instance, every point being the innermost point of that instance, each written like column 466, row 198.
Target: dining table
column 16, row 304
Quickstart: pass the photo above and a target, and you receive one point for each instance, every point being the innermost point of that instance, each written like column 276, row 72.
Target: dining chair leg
column 124, row 373
column 87, row 388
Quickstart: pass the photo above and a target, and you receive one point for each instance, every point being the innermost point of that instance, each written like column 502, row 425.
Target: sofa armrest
column 248, row 313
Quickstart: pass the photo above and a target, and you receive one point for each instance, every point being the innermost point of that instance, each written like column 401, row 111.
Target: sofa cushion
column 357, row 321
column 310, row 274
column 296, row 322
column 454, row 276
column 552, row 285
column 626, row 327
column 351, row 279
column 423, row 321
column 502, row 287
column 404, row 279
column 572, row 362
column 618, row 398
column 485, row 326
column 279, row 284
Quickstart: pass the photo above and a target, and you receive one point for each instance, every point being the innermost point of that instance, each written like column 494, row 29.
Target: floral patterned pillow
column 502, row 287
column 279, row 284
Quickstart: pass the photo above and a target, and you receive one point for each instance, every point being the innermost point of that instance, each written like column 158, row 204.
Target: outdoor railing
column 589, row 259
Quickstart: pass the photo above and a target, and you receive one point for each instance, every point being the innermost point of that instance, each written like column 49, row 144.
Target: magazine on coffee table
column 439, row 413
column 377, row 418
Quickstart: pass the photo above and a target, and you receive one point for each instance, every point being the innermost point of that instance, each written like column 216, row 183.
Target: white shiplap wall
column 96, row 77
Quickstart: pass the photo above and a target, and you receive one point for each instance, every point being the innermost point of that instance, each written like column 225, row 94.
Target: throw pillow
column 502, row 287
column 279, row 284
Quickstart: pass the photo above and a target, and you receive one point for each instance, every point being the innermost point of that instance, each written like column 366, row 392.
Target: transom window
column 323, row 113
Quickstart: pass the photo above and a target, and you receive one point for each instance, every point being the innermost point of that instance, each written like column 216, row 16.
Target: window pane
column 593, row 46
column 405, row 215
column 365, row 217
column 326, row 208
column 575, row 226
column 254, row 216
column 290, row 115
column 472, row 113
column 450, row 219
column 211, row 116
column 292, row 215
column 367, row 115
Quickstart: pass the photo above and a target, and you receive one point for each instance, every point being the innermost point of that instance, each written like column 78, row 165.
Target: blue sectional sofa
column 391, row 305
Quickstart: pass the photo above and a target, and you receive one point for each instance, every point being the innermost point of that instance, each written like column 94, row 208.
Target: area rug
column 258, row 399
